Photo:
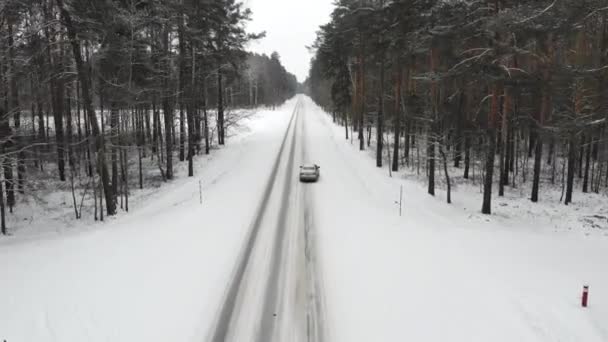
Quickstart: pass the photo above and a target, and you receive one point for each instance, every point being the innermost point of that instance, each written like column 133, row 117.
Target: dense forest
column 518, row 87
column 94, row 92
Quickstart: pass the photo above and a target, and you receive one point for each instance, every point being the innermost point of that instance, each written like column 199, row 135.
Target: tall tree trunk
column 345, row 118
column 460, row 116
column 69, row 129
column 2, row 210
column 34, row 102
column 538, row 147
column 380, row 119
column 587, row 163
column 59, row 133
column 88, row 103
column 551, row 150
column 55, row 92
column 504, row 130
column 361, row 102
column 532, row 138
column 147, row 136
column 406, row 145
column 5, row 147
column 156, row 134
column 198, row 122
column 397, row 116
column 467, row 155
column 115, row 145
column 458, row 134
column 41, row 126
column 507, row 158
column 432, row 134
column 15, row 109
column 141, row 141
column 447, row 175
column 125, row 177
column 206, row 117
column 537, row 168
column 191, row 116
column 580, row 156
column 182, row 81
column 168, row 122
column 544, row 114
column 182, row 130
column 220, row 109
column 79, row 120
column 431, row 160
column 167, row 110
column 486, row 207
column 87, row 133
column 572, row 146
column 511, row 159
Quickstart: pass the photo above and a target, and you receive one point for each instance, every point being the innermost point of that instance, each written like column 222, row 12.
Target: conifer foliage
column 92, row 92
column 512, row 91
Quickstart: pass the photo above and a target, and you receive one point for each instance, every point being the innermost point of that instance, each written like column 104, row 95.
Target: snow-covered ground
column 443, row 272
column 438, row 273
column 156, row 274
column 47, row 207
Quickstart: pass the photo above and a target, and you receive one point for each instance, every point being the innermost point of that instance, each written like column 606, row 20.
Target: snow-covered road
column 274, row 293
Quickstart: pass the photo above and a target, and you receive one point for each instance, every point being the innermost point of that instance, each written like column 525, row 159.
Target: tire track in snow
column 227, row 311
column 293, row 304
column 315, row 331
column 271, row 297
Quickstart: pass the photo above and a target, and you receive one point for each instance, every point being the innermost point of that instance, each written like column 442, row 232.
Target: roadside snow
column 156, row 274
column 47, row 209
column 442, row 272
column 438, row 273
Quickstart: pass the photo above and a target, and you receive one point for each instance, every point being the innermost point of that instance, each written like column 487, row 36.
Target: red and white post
column 585, row 297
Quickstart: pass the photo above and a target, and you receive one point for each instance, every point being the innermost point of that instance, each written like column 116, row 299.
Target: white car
column 309, row 173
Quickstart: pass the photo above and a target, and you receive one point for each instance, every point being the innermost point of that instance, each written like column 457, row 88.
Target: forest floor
column 47, row 206
column 587, row 214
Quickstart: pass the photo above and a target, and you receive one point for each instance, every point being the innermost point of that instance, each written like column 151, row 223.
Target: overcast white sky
column 290, row 26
